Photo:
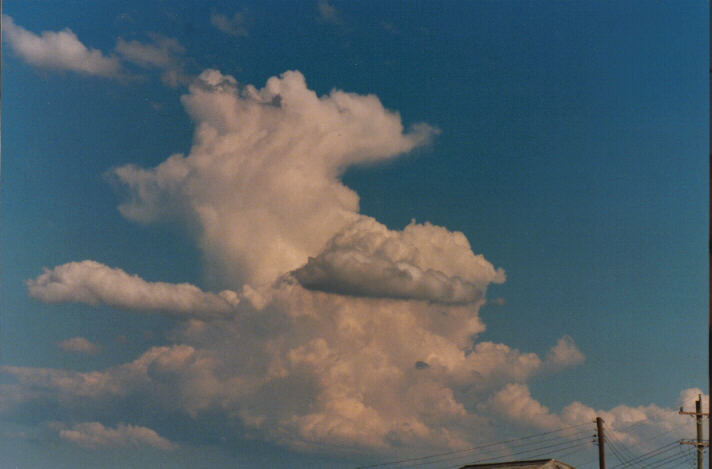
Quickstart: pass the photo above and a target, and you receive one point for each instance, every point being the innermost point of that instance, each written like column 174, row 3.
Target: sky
column 338, row 234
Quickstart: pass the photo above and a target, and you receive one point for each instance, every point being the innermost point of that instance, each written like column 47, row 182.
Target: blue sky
column 566, row 141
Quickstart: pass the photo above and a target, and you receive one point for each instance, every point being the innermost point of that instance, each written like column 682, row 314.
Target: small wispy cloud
column 94, row 435
column 79, row 345
column 161, row 53
column 328, row 13
column 234, row 26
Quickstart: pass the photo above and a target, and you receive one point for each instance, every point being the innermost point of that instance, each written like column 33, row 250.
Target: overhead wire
column 622, row 447
column 561, row 456
column 498, row 453
column 552, row 447
column 690, row 457
column 650, row 454
column 474, row 448
column 554, row 455
column 615, row 451
column 662, row 459
column 666, row 461
column 576, row 446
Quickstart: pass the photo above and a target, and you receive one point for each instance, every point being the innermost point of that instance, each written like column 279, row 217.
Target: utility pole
column 601, row 444
column 698, row 417
column 698, row 443
column 709, row 336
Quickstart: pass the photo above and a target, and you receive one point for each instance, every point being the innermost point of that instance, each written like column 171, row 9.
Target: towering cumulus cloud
column 334, row 330
column 260, row 187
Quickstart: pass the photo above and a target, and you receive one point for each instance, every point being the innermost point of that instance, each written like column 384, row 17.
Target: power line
column 578, row 446
column 615, row 452
column 474, row 448
column 666, row 461
column 503, row 452
column 561, row 456
column 662, row 459
column 650, row 454
column 549, row 448
column 619, row 444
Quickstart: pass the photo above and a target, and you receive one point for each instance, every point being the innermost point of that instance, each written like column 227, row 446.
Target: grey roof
column 535, row 464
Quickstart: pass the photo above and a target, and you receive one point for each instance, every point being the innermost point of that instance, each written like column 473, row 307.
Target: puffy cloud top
column 564, row 354
column 422, row 262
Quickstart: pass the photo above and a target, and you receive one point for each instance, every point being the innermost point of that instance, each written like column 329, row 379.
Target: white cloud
column 422, row 262
column 162, row 53
column 564, row 354
column 234, row 26
column 94, row 283
column 260, row 189
column 179, row 377
column 515, row 402
column 633, row 426
column 79, row 345
column 309, row 367
column 95, row 435
column 689, row 396
column 376, row 368
column 59, row 50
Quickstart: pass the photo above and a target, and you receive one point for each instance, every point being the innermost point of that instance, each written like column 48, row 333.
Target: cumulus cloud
column 162, row 53
column 94, row 283
column 95, row 435
column 79, row 345
column 309, row 367
column 59, row 50
column 234, row 26
column 260, row 188
column 422, row 262
column 634, row 426
column 344, row 332
column 516, row 402
column 564, row 354
column 175, row 378
column 689, row 396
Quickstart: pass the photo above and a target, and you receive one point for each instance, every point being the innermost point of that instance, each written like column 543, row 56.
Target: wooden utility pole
column 601, row 444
